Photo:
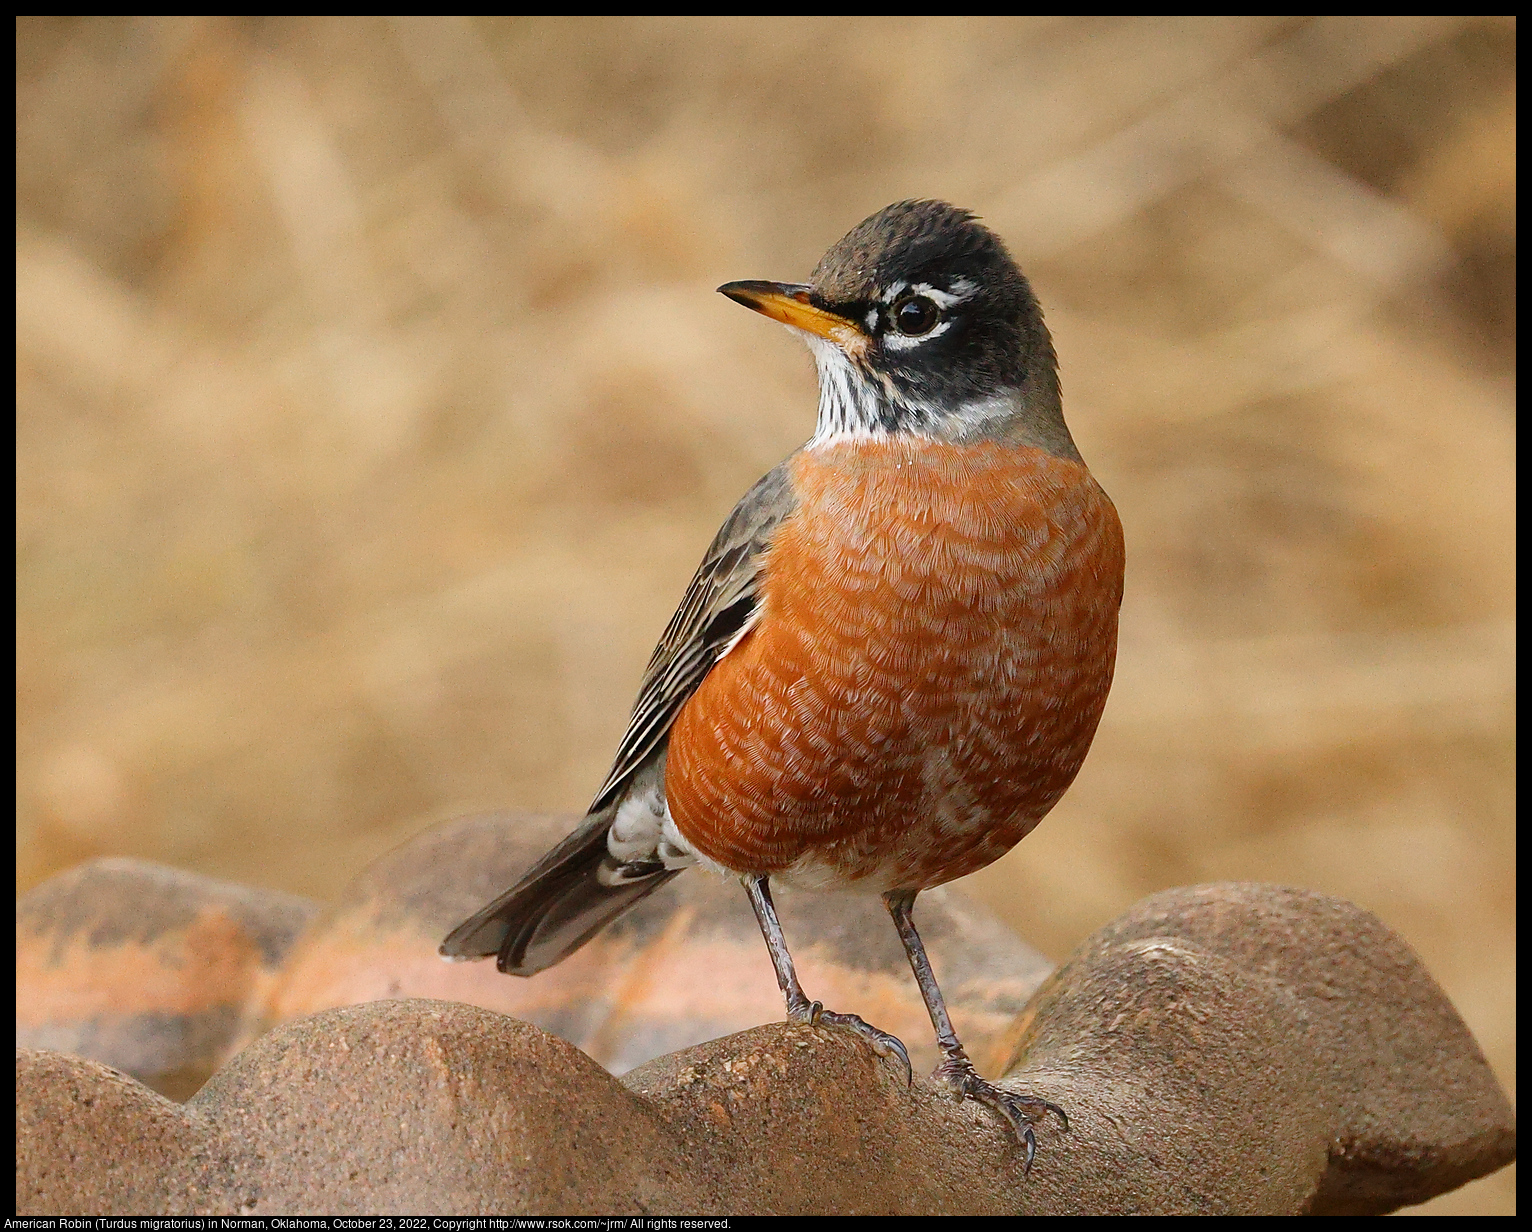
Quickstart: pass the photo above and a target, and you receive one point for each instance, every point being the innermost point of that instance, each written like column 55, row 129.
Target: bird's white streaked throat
column 858, row 404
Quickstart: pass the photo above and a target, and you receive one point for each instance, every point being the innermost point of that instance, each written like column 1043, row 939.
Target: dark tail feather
column 554, row 909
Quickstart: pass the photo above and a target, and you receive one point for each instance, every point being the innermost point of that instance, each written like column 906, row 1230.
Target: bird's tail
column 563, row 901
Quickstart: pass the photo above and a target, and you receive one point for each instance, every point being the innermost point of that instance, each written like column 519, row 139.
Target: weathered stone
column 1340, row 1006
column 796, row 1120
column 147, row 968
column 1221, row 1049
column 91, row 1140
column 686, row 965
column 435, row 1107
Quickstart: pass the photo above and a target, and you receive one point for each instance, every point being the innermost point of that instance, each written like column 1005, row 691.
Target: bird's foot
column 1021, row 1112
column 885, row 1045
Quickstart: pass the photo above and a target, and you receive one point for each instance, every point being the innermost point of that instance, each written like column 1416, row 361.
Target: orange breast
column 937, row 634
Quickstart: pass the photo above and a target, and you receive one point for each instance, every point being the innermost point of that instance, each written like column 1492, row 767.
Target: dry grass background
column 375, row 406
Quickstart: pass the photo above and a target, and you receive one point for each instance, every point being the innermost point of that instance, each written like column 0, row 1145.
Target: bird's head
column 921, row 324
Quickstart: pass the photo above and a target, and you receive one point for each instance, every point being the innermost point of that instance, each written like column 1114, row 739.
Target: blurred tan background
column 375, row 406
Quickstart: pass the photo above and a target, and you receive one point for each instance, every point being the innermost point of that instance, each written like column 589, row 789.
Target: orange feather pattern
column 937, row 635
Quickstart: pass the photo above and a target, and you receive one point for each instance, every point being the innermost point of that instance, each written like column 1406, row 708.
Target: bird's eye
column 915, row 316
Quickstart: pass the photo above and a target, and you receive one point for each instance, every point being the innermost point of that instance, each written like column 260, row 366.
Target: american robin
column 893, row 658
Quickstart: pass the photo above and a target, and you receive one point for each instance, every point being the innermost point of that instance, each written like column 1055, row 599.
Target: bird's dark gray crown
column 989, row 345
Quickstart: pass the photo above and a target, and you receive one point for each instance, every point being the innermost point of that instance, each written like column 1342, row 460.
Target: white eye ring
column 893, row 340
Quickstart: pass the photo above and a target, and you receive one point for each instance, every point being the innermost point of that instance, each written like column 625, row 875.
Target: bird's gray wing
column 567, row 897
column 718, row 605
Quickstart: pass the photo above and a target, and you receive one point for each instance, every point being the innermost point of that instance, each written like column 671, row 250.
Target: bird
column 895, row 653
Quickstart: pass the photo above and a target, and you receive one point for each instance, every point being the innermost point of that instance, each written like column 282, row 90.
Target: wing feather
column 709, row 620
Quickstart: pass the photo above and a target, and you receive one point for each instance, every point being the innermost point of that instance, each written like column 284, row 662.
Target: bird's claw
column 884, row 1044
column 1020, row 1111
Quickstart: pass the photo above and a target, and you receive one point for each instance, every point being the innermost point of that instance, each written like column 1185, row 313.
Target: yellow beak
column 788, row 302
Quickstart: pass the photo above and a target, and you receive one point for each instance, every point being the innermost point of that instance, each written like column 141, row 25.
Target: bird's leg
column 799, row 1007
column 956, row 1071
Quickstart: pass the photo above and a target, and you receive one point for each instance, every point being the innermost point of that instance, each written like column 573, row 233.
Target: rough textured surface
column 164, row 974
column 147, row 968
column 1284, row 1005
column 1230, row 1048
column 435, row 1107
column 686, row 965
column 90, row 1139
